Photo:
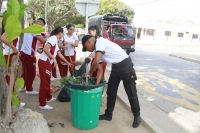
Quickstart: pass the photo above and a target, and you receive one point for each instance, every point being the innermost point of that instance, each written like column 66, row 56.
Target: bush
column 79, row 26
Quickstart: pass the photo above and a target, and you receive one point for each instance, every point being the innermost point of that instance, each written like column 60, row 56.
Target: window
column 150, row 32
column 187, row 32
column 195, row 36
column 122, row 32
column 167, row 33
column 180, row 34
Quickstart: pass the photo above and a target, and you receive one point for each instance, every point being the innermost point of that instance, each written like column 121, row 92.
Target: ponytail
column 95, row 27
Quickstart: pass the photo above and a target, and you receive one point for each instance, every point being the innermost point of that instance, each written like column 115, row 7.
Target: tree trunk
column 3, row 84
column 13, row 70
column 3, row 91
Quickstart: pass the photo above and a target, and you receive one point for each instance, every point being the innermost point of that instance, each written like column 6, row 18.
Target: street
column 172, row 79
column 171, row 84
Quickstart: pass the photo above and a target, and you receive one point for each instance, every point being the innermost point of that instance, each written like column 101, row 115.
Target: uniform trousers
column 59, row 67
column 45, row 77
column 122, row 71
column 28, row 69
column 65, row 66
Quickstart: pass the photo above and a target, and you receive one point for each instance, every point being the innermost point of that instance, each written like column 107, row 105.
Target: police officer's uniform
column 122, row 69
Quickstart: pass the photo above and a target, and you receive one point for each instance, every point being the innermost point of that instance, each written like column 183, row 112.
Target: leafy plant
column 80, row 26
column 77, row 80
column 13, row 29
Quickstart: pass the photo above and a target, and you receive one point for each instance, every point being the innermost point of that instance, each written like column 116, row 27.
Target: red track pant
column 45, row 77
column 65, row 67
column 28, row 70
column 95, row 72
column 59, row 67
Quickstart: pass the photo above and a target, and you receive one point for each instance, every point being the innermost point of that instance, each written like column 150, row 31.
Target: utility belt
column 124, row 63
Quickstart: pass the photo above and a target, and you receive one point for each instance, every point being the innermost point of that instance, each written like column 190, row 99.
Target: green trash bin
column 85, row 107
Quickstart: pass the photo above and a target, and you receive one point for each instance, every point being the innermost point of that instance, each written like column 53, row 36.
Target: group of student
column 58, row 49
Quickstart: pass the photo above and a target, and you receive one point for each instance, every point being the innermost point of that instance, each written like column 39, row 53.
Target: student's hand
column 65, row 47
column 15, row 51
column 60, row 42
column 67, row 42
column 55, row 63
column 69, row 64
column 89, row 74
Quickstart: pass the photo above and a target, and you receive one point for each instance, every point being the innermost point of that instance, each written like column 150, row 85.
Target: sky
column 166, row 9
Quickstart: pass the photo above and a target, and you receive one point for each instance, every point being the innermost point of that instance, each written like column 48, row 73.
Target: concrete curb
column 144, row 119
column 188, row 59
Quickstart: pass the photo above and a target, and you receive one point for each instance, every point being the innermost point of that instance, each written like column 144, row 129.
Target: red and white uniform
column 59, row 65
column 27, row 56
column 70, row 52
column 45, row 69
column 104, row 64
column 6, row 53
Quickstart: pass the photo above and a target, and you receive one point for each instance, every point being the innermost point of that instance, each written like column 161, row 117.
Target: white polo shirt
column 6, row 47
column 30, row 44
column 53, row 50
column 71, row 49
column 112, row 52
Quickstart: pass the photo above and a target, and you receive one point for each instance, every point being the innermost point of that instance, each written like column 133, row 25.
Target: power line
column 154, row 1
column 146, row 3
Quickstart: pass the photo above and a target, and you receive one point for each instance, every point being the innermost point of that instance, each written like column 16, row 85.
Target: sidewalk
column 187, row 56
column 59, row 119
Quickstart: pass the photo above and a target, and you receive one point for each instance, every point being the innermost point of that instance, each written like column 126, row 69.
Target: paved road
column 168, row 78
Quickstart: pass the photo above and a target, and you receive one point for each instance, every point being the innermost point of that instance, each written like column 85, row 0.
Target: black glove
column 87, row 60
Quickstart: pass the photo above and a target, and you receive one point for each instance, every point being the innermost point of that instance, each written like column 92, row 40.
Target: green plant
column 77, row 80
column 13, row 29
column 79, row 26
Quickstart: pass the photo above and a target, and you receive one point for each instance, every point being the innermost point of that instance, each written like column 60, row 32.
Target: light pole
column 46, row 14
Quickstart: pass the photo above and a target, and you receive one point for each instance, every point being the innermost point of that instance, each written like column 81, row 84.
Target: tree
column 60, row 12
column 13, row 29
column 114, row 6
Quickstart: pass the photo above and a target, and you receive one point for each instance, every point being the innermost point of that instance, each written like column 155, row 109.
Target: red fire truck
column 115, row 27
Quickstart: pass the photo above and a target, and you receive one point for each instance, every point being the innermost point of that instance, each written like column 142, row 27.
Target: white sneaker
column 52, row 99
column 22, row 104
column 23, row 89
column 46, row 107
column 53, row 79
column 32, row 92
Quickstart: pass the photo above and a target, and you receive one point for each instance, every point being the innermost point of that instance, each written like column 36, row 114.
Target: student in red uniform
column 13, row 51
column 28, row 59
column 60, row 66
column 71, row 41
column 94, row 31
column 48, row 56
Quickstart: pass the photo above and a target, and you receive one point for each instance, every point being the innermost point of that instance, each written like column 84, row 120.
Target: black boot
column 104, row 117
column 136, row 121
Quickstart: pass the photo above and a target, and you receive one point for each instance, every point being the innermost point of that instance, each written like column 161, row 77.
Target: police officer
column 122, row 69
